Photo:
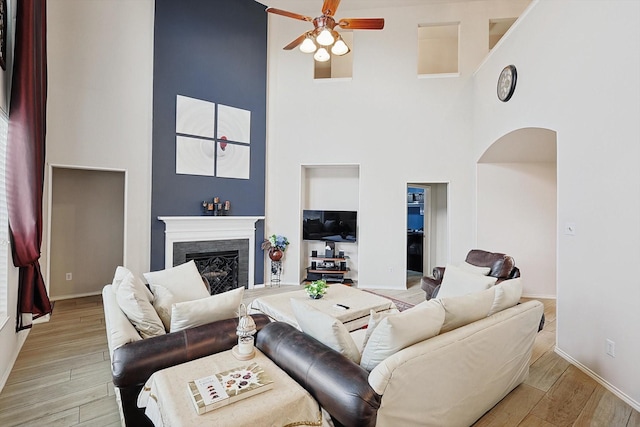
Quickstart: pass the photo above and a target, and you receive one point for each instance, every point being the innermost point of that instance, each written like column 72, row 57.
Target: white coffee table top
column 360, row 303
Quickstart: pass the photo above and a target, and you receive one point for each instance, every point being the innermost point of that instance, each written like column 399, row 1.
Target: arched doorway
column 517, row 205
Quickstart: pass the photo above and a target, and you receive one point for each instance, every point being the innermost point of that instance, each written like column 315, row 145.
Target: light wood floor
column 62, row 377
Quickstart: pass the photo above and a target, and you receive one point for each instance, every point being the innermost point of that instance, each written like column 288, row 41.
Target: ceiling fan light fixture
column 321, row 55
column 308, row 46
column 325, row 38
column 340, row 48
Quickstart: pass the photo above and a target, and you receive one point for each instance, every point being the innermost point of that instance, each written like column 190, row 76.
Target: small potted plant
column 276, row 244
column 316, row 289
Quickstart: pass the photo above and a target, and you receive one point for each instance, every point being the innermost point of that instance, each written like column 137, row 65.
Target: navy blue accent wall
column 214, row 51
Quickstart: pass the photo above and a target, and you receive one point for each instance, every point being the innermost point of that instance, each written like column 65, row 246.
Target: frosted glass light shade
column 308, row 46
column 321, row 55
column 340, row 48
column 325, row 38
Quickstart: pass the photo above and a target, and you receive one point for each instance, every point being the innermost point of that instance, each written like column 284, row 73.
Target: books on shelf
column 214, row 391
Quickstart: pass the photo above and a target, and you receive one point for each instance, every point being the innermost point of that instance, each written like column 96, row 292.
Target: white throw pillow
column 121, row 273
column 326, row 329
column 374, row 320
column 135, row 303
column 401, row 330
column 508, row 293
column 464, row 265
column 198, row 312
column 183, row 281
column 464, row 309
column 163, row 301
column 459, row 282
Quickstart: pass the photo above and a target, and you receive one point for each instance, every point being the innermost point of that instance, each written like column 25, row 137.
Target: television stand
column 329, row 269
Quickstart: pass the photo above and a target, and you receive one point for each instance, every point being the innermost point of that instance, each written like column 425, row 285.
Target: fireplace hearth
column 218, row 269
column 224, row 264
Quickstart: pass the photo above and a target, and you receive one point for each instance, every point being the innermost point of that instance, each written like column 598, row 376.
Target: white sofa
column 450, row 379
column 134, row 359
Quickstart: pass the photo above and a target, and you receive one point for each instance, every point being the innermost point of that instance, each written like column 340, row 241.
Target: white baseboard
column 541, row 296
column 87, row 294
column 21, row 339
column 635, row 405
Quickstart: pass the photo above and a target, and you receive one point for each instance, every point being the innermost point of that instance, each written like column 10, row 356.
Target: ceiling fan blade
column 330, row 6
column 296, row 42
column 362, row 23
column 289, row 14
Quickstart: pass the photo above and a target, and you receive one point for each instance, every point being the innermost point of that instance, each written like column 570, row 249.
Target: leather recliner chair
column 502, row 267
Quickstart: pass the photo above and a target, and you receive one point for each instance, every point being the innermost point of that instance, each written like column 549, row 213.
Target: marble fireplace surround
column 210, row 228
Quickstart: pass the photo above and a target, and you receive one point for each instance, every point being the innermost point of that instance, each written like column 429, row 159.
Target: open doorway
column 87, row 230
column 427, row 237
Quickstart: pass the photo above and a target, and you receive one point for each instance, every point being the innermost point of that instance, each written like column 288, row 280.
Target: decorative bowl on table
column 316, row 289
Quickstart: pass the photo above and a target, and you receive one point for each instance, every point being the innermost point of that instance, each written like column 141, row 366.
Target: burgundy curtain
column 26, row 157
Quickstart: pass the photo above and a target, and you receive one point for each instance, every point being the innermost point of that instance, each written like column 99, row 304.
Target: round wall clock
column 507, row 83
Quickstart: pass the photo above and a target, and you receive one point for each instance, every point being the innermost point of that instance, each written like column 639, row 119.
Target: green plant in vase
column 316, row 289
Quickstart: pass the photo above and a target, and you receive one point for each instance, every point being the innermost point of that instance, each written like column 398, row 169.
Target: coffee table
column 278, row 306
column 167, row 402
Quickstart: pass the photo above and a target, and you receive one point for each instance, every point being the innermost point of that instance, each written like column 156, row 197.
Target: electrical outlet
column 69, row 276
column 611, row 348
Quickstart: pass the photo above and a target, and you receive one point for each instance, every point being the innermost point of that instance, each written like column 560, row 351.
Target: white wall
column 397, row 127
column 100, row 63
column 517, row 215
column 100, row 101
column 579, row 77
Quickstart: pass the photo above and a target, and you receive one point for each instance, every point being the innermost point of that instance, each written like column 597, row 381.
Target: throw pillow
column 121, row 273
column 508, row 293
column 374, row 321
column 402, row 330
column 163, row 301
column 183, row 281
column 326, row 329
column 198, row 312
column 464, row 265
column 459, row 282
column 134, row 302
column 464, row 309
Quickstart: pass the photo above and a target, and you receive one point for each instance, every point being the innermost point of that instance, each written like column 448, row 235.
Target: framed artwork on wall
column 210, row 142
column 4, row 17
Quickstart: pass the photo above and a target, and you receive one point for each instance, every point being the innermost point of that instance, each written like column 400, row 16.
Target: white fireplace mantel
column 204, row 228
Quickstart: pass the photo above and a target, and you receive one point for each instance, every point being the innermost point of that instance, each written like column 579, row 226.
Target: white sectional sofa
column 481, row 353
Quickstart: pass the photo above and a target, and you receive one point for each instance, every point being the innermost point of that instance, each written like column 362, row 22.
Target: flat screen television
column 331, row 226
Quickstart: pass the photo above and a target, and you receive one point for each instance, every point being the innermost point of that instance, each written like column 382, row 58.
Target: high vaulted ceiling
column 302, row 5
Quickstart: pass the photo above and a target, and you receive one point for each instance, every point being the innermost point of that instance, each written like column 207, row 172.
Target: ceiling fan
column 323, row 38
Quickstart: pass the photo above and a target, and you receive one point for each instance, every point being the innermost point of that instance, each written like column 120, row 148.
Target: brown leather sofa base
column 339, row 385
column 133, row 363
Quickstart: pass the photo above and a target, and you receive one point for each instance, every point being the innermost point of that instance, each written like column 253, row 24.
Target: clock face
column 507, row 83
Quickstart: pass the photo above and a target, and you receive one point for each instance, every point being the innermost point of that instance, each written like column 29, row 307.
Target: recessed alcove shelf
column 329, row 187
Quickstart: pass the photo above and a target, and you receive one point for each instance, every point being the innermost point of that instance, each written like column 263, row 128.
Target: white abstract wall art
column 195, row 156
column 234, row 124
column 233, row 160
column 195, row 116
column 209, row 144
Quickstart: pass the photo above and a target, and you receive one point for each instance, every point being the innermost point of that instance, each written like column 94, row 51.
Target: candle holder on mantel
column 215, row 207
column 246, row 330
